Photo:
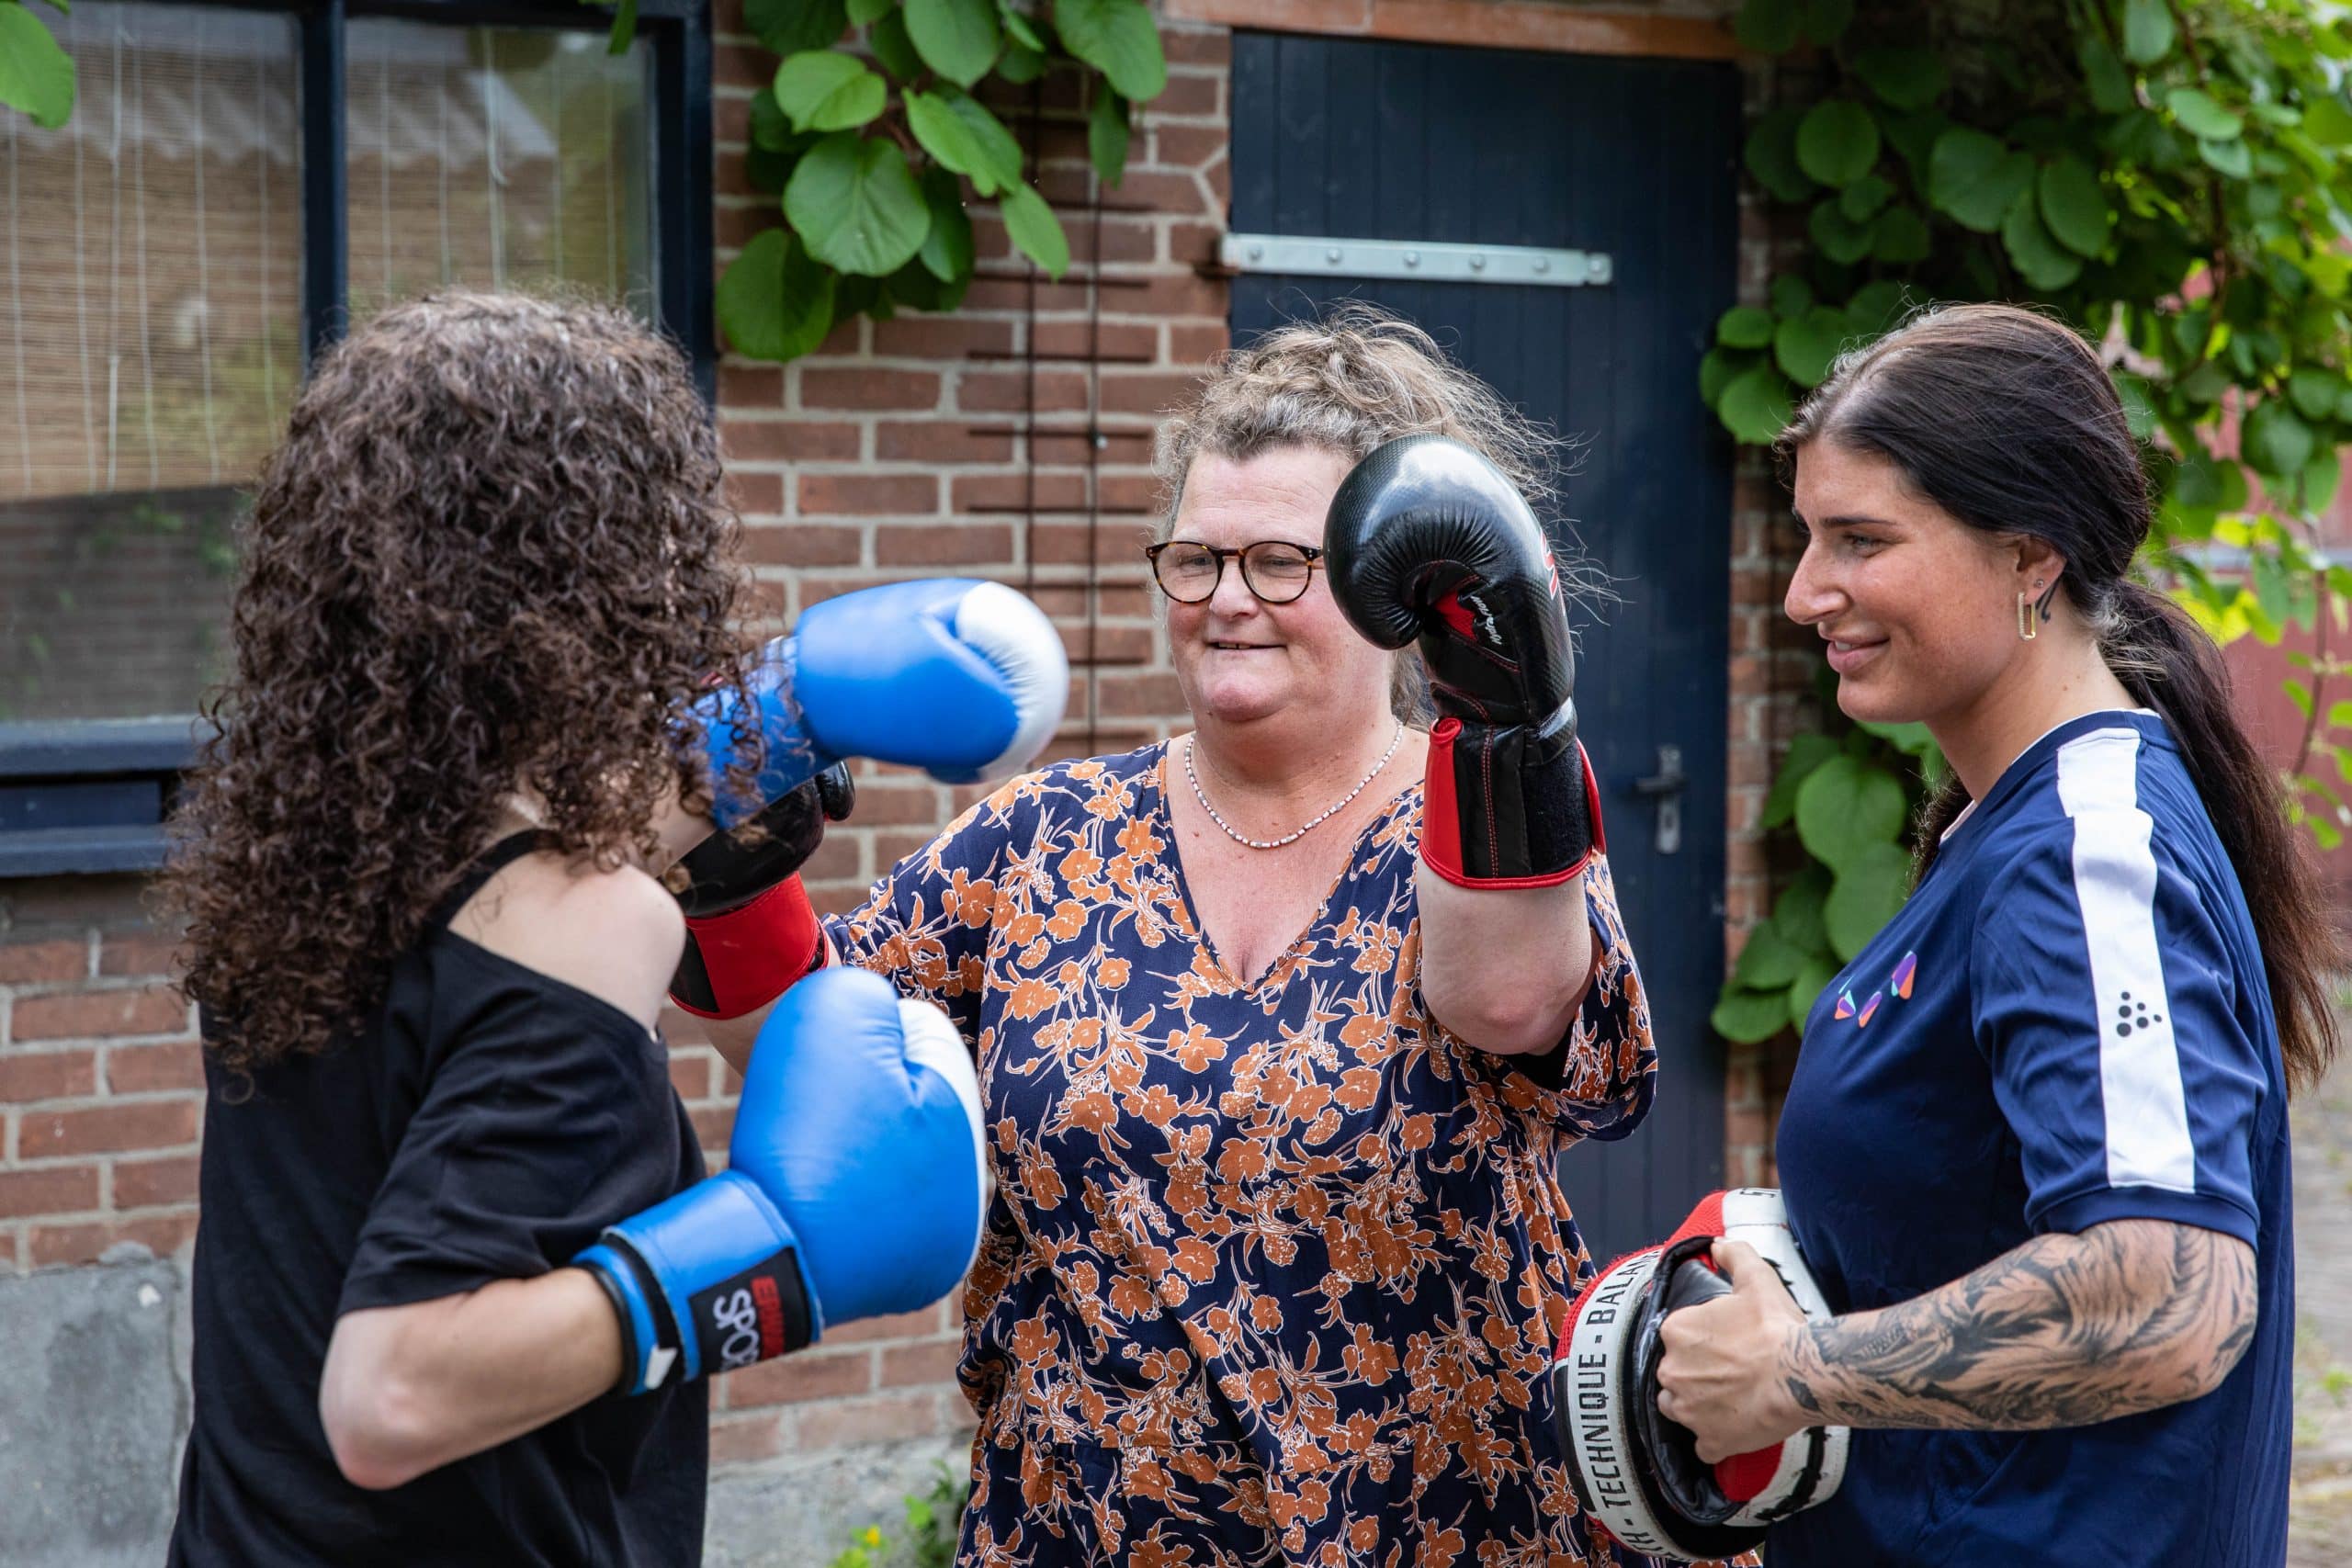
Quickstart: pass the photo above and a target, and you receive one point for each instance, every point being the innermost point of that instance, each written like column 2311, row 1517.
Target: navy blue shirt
column 2067, row 1023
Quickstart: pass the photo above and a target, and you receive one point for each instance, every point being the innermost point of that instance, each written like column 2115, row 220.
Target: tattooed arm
column 2064, row 1331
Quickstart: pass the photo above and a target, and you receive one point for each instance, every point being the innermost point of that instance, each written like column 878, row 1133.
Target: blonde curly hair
column 1347, row 382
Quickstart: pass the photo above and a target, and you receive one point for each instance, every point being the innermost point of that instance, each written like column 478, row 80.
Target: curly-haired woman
column 1278, row 1052
column 486, row 576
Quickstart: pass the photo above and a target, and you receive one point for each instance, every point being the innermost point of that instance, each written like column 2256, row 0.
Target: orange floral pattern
column 1271, row 1275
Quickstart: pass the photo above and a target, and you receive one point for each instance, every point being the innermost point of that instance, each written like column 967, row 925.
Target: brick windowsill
column 1494, row 24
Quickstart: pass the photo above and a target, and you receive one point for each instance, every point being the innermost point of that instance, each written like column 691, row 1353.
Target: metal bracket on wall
column 1297, row 254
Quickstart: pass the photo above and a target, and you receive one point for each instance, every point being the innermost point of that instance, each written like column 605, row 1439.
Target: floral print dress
column 1272, row 1271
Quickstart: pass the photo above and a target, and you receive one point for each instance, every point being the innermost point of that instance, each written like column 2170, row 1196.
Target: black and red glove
column 1427, row 539
column 751, row 930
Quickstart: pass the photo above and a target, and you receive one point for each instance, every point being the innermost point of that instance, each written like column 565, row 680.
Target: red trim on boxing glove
column 754, row 952
column 1442, row 819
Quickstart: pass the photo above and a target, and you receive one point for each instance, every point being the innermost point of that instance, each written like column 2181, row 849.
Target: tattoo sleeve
column 2064, row 1331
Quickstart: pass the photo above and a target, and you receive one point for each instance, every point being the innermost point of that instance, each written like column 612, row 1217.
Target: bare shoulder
column 614, row 934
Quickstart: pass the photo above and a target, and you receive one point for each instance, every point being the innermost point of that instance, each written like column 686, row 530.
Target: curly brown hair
column 492, row 551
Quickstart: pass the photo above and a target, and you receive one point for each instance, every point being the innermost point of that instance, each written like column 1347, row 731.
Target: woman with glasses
column 1276, row 1247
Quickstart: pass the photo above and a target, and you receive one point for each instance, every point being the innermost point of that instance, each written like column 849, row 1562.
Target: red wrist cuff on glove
column 1442, row 819
column 752, row 953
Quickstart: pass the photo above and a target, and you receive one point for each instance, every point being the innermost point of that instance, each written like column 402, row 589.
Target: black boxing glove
column 751, row 930
column 1428, row 539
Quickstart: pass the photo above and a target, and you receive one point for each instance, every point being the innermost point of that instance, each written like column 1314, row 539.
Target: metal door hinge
column 1439, row 261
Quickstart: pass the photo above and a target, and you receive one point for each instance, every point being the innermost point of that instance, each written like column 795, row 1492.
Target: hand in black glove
column 1426, row 540
column 751, row 930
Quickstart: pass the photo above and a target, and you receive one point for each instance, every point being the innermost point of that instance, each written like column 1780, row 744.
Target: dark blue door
column 1360, row 139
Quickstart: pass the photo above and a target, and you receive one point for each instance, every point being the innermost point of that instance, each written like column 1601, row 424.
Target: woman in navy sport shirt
column 2036, row 1145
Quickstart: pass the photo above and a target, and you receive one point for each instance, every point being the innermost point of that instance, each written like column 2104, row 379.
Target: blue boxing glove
column 963, row 678
column 855, row 1188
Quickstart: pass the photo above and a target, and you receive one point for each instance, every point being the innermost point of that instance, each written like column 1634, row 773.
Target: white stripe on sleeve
column 2115, row 881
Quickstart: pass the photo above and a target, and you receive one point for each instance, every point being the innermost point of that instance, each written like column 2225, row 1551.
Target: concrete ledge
column 799, row 1513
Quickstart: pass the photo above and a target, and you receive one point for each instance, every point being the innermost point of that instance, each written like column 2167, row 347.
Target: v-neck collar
column 1175, row 859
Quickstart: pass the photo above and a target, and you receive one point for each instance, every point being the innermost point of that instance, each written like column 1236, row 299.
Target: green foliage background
column 2174, row 177
column 877, row 146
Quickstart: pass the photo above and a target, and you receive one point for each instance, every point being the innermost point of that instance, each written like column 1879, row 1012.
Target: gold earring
column 2028, row 617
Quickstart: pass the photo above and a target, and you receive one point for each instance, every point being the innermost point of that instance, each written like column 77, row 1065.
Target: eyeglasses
column 1276, row 570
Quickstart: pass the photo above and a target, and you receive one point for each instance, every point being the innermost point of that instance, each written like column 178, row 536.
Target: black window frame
column 48, row 767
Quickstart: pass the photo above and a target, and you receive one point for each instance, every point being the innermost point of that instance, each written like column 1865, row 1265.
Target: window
column 235, row 183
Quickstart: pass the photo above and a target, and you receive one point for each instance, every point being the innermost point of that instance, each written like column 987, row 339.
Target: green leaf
column 1797, row 911
column 1019, row 64
column 2275, row 441
column 1717, row 368
column 824, row 89
column 1745, row 326
column 1846, row 807
column 1771, row 155
column 947, row 251
column 1907, row 78
column 1861, row 200
column 856, row 203
column 915, row 287
column 1020, row 29
column 1834, row 235
column 2147, row 30
column 36, row 76
column 617, row 42
column 861, row 12
column 2314, row 391
column 2103, row 73
column 1118, row 39
column 2319, row 479
column 1914, row 137
column 1106, row 136
column 1792, row 296
column 888, row 39
column 1769, row 27
column 1977, row 178
column 790, row 27
column 958, row 38
column 959, row 131
column 2075, row 206
column 2199, row 116
column 1755, row 405
column 1806, row 752
column 1749, row 1017
column 1875, row 307
column 1805, row 346
column 1837, row 142
column 1826, row 20
column 770, row 128
column 2041, row 260
column 773, row 301
column 1767, row 963
column 2328, row 119
column 1869, row 892
column 1033, row 226
column 1900, row 237
column 2226, row 157
column 1814, row 978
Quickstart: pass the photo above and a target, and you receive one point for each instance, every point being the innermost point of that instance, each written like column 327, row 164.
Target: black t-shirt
column 486, row 1126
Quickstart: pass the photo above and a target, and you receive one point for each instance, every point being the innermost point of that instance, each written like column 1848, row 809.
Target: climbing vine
column 877, row 145
column 2171, row 176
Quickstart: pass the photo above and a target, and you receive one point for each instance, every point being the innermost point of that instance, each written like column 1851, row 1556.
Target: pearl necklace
column 1396, row 740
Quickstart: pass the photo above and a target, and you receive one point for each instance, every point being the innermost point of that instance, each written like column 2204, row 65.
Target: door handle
column 1664, row 789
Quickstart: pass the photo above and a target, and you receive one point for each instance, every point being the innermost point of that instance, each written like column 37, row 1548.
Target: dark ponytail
column 2007, row 420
